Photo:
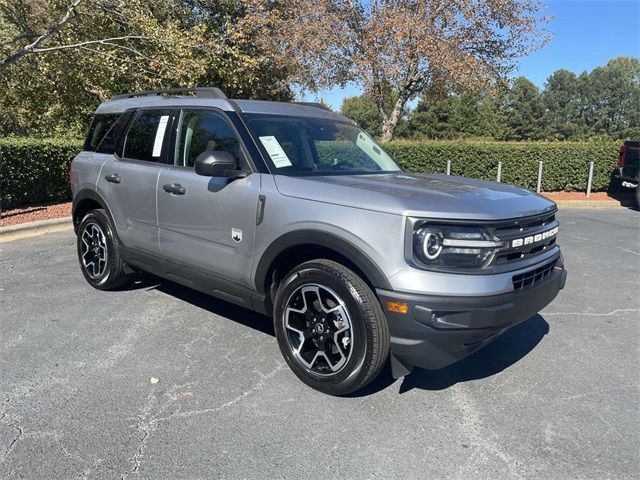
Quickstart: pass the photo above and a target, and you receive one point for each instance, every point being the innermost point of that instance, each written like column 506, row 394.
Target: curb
column 31, row 229
column 588, row 204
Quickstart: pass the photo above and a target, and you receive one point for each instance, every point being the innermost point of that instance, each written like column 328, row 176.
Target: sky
column 586, row 34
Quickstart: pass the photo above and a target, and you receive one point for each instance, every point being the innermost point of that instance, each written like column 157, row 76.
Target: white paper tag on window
column 275, row 151
column 157, row 144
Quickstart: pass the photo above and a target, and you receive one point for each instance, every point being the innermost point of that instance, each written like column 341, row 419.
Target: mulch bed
column 49, row 211
column 595, row 196
column 34, row 213
column 624, row 198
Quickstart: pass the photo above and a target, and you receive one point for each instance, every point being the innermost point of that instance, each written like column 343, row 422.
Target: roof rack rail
column 203, row 92
column 314, row 104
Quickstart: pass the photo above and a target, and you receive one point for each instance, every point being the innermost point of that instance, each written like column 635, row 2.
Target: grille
column 532, row 278
column 521, row 229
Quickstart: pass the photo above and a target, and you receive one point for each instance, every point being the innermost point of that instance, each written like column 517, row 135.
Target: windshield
column 316, row 146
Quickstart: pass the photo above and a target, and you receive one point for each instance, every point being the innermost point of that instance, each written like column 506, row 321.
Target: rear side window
column 99, row 127
column 147, row 137
column 112, row 141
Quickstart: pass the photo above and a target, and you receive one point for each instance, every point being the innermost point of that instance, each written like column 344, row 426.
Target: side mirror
column 216, row 164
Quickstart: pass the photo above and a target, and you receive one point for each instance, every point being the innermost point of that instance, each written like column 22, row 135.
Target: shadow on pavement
column 627, row 197
column 508, row 349
column 206, row 302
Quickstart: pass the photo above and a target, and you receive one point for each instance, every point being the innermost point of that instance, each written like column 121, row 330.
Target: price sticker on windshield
column 275, row 151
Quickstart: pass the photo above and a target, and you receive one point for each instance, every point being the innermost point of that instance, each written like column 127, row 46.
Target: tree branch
column 17, row 39
column 103, row 41
column 52, row 31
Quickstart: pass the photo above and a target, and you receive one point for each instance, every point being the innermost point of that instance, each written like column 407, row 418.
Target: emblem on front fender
column 236, row 235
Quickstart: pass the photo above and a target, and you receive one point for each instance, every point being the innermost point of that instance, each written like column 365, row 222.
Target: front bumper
column 438, row 330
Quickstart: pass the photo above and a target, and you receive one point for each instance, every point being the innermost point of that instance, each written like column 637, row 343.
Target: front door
column 207, row 223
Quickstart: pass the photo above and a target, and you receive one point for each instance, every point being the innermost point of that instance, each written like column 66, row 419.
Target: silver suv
column 293, row 211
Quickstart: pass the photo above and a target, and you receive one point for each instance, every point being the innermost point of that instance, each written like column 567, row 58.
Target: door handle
column 174, row 188
column 113, row 178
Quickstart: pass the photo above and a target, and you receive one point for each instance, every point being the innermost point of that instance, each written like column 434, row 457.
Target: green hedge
column 565, row 164
column 35, row 170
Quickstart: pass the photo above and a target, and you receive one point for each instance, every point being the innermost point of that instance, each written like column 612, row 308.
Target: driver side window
column 204, row 130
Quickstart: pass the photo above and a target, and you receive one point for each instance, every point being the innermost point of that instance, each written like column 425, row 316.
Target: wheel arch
column 299, row 246
column 85, row 201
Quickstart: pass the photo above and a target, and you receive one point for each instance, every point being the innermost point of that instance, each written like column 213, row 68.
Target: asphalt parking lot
column 556, row 397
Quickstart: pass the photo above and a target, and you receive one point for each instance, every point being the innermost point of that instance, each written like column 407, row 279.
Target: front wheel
column 98, row 252
column 330, row 327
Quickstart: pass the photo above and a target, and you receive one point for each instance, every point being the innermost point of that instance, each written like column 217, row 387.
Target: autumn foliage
column 401, row 46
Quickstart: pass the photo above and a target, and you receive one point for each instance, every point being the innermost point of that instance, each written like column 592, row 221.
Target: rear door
column 207, row 223
column 128, row 179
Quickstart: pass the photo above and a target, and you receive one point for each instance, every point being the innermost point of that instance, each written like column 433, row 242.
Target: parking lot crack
column 264, row 378
column 606, row 314
column 482, row 442
column 148, row 420
column 19, row 433
column 258, row 386
column 143, row 425
column 137, row 459
column 608, row 245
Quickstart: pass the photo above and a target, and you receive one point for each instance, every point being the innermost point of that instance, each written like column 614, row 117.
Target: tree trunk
column 390, row 122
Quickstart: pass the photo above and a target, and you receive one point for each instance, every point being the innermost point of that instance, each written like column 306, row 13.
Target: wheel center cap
column 319, row 328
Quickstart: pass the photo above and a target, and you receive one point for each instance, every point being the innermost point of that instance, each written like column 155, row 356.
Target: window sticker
column 275, row 151
column 157, row 144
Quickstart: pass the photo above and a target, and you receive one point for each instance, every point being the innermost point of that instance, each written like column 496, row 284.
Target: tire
column 330, row 327
column 98, row 254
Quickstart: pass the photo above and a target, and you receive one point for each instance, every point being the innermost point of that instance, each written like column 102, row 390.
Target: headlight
column 454, row 246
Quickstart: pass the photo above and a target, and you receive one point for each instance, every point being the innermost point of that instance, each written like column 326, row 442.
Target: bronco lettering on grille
column 530, row 240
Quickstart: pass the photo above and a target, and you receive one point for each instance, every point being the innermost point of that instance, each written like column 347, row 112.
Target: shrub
column 565, row 164
column 35, row 170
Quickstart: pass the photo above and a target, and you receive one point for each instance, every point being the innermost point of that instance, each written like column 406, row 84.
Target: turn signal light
column 397, row 307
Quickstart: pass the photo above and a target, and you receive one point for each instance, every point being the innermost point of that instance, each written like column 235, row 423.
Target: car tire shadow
column 499, row 355
column 206, row 302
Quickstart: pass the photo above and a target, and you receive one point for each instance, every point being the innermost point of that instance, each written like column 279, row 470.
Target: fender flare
column 87, row 194
column 322, row 239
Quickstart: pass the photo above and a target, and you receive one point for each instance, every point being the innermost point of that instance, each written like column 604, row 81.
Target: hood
column 434, row 196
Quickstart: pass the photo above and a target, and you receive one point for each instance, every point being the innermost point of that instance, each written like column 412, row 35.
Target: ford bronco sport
column 293, row 211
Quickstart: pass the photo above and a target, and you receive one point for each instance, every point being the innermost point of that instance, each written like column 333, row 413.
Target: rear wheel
column 98, row 252
column 330, row 327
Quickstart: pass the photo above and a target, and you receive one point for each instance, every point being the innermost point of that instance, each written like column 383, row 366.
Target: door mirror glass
column 216, row 163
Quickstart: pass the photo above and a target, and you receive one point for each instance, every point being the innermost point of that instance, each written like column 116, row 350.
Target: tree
column 363, row 109
column 523, row 111
column 406, row 44
column 610, row 98
column 561, row 100
column 444, row 115
column 114, row 46
column 15, row 10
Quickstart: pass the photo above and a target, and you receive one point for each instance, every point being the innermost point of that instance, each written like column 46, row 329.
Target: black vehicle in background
column 627, row 173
